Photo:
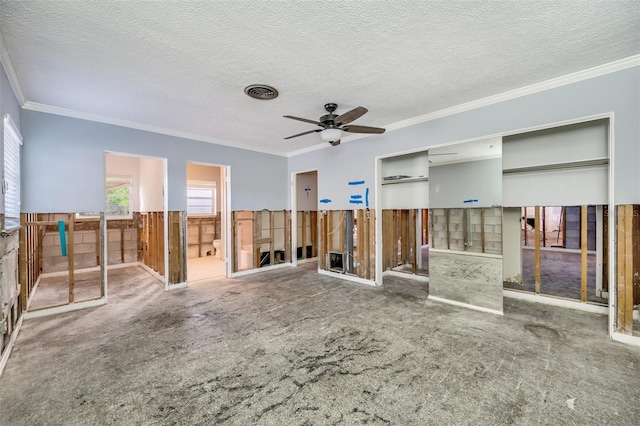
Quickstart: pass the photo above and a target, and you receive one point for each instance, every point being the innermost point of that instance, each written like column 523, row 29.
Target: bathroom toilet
column 217, row 247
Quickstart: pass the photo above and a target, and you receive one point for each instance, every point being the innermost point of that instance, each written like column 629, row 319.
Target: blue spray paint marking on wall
column 470, row 201
column 63, row 238
column 325, row 200
column 356, row 197
column 355, row 201
column 367, row 197
column 356, row 182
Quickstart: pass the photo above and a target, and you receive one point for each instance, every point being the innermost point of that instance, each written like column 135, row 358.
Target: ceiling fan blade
column 304, row 133
column 303, row 119
column 350, row 116
column 363, row 129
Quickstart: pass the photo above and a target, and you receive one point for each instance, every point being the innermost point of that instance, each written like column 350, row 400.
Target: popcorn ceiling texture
column 184, row 65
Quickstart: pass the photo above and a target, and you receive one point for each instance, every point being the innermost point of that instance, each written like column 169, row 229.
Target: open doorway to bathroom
column 205, row 222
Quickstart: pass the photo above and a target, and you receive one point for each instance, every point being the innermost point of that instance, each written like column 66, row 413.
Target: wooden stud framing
column 303, row 237
column 176, row 239
column 544, row 226
column 583, row 252
column 272, row 259
column 524, row 228
column 482, row 229
column 625, row 268
column 22, row 262
column 536, row 240
column 413, row 241
column 313, row 215
column 70, row 256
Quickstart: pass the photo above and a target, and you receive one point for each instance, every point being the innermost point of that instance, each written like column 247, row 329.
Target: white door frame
column 225, row 212
column 165, row 209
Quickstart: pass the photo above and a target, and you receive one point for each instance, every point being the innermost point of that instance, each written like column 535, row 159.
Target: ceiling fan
column 332, row 126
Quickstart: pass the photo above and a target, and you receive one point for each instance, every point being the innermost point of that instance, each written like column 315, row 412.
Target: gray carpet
column 290, row 347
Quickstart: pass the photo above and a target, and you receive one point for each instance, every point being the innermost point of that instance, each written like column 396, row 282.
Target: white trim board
column 408, row 276
column 64, row 308
column 347, row 278
column 626, row 339
column 465, row 305
column 257, row 270
column 7, row 349
column 556, row 301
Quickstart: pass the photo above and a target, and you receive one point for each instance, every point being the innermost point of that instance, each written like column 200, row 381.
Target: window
column 201, row 198
column 118, row 192
column 11, row 174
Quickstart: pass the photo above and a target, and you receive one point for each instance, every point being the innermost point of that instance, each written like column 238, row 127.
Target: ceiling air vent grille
column 261, row 91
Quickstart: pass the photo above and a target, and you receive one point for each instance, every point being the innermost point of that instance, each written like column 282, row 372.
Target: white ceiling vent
column 261, row 91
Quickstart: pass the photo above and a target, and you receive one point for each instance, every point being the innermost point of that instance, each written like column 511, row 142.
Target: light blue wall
column 451, row 185
column 63, row 165
column 617, row 92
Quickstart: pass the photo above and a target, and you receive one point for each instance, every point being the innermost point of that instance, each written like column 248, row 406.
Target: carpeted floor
column 291, row 347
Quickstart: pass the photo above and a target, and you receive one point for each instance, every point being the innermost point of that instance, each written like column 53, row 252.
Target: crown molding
column 597, row 71
column 9, row 69
column 66, row 112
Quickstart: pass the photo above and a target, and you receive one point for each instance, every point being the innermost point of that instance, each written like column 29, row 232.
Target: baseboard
column 64, row 308
column 406, row 275
column 12, row 340
column 258, row 270
column 556, row 301
column 347, row 277
column 465, row 305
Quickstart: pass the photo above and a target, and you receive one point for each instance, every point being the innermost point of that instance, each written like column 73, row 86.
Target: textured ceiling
column 182, row 66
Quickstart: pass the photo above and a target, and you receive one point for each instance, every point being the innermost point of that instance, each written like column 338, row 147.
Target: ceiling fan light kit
column 333, row 127
column 332, row 136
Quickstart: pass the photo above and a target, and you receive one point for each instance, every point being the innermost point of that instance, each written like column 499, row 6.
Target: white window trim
column 128, row 178
column 10, row 129
column 191, row 183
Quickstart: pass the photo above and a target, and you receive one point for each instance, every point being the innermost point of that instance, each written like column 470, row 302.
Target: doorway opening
column 305, row 219
column 135, row 214
column 206, row 239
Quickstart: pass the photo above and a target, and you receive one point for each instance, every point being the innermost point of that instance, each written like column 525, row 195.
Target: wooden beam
column 621, row 269
column 524, row 228
column 628, row 266
column 583, row 251
column 536, row 238
column 303, row 217
column 482, row 229
column 70, row 257
column 544, row 226
column 372, row 244
column 234, row 237
column 272, row 236
column 313, row 219
column 287, row 235
column 22, row 262
column 413, row 240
